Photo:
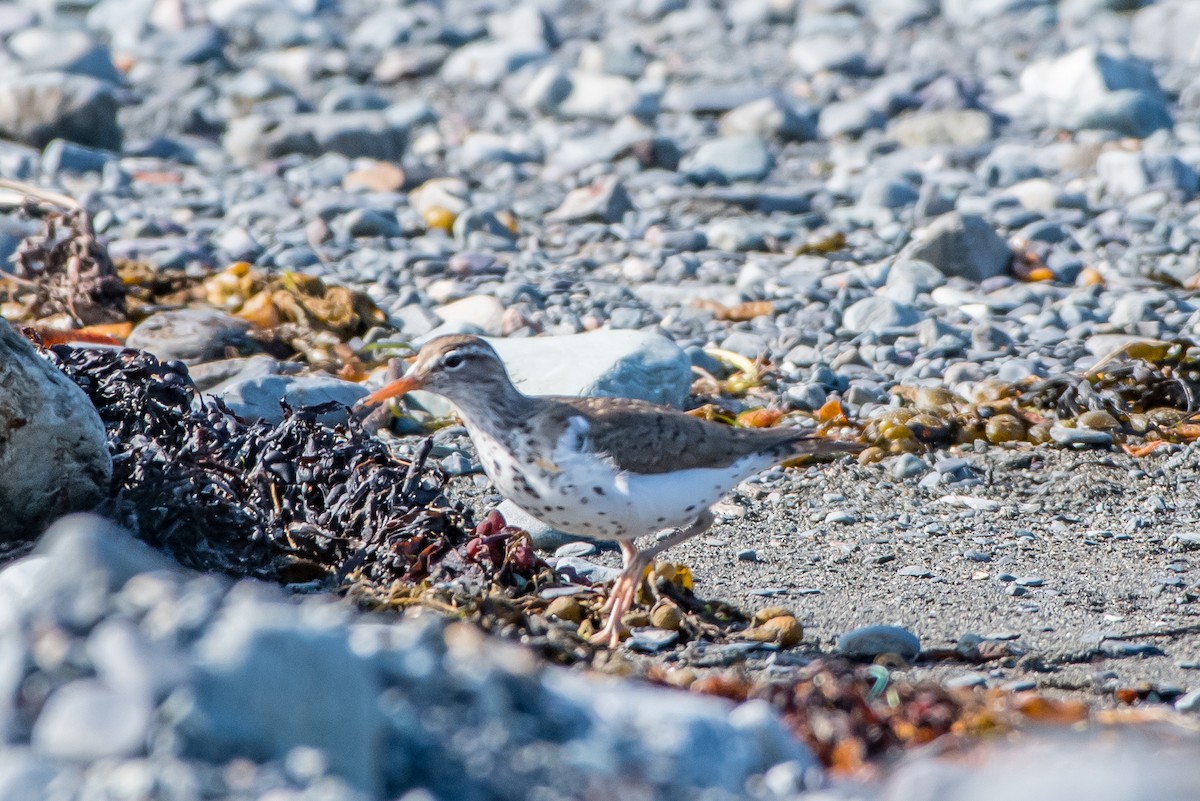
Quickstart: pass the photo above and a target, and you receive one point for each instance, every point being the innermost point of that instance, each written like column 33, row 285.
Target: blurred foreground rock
column 53, row 452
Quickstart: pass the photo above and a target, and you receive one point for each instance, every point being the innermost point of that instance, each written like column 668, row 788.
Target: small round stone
column 565, row 609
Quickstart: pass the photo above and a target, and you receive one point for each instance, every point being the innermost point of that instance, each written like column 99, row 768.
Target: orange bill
column 392, row 390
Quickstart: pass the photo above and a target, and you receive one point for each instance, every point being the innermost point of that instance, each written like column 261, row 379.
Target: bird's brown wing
column 644, row 438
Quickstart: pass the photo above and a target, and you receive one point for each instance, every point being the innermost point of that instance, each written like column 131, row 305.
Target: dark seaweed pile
column 292, row 502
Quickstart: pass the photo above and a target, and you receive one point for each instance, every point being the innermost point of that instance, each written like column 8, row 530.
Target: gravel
column 926, row 195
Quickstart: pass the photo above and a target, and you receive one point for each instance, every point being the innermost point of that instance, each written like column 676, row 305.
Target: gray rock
column 1084, row 437
column 27, row 776
column 357, row 134
column 768, row 117
column 259, row 397
column 1165, row 32
column 887, row 193
column 586, row 95
column 47, row 50
column 54, row 456
column 370, row 223
column 36, row 109
column 86, row 720
column 1125, row 174
column 214, row 376
column 906, row 465
column 628, row 364
column 729, row 159
column 908, row 278
column 63, row 156
column 848, row 118
column 1090, row 88
column 189, row 335
column 254, row 664
column 131, row 663
column 878, row 314
column 1188, row 702
column 86, row 558
column 961, row 244
column 485, row 63
column 697, row 741
column 582, row 568
column 872, row 641
column 604, row 201
column 950, row 128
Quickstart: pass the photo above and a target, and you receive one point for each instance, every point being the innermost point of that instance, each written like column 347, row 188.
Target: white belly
column 582, row 494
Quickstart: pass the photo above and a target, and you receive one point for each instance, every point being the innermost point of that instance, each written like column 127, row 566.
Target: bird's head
column 460, row 367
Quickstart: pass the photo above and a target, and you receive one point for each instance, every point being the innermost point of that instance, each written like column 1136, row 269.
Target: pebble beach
column 964, row 232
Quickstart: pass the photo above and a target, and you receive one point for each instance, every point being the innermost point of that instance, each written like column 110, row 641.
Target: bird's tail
column 809, row 447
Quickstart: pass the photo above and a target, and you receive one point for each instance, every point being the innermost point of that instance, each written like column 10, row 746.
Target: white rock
column 54, row 455
column 619, row 363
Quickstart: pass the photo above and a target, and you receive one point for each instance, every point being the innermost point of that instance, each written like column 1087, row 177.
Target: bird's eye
column 452, row 361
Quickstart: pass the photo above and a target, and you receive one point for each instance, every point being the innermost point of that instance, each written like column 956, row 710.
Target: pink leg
column 621, row 595
column 624, row 588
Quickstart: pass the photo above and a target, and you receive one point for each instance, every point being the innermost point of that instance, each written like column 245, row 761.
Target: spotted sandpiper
column 606, row 468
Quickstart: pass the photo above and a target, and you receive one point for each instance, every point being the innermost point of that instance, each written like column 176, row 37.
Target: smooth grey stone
column 848, row 118
column 914, row 571
column 370, row 223
column 907, row 465
column 872, row 641
column 625, row 364
column 586, row 95
column 61, row 156
column 603, row 201
column 85, row 559
column 35, row 109
column 596, row 574
column 54, row 458
column 1092, row 88
column 1080, row 436
column 967, row 680
column 908, row 278
column 253, row 664
column 808, row 397
column 708, row 99
column 358, row 134
column 729, row 159
column 189, row 335
column 948, row 128
column 963, row 245
column 28, row 776
column 737, row 235
column 768, row 117
column 458, row 465
column 86, row 720
column 57, row 50
column 212, row 376
column 879, row 313
column 486, row 62
column 887, row 193
column 822, row 53
column 1126, row 174
column 131, row 663
column 1165, row 32
column 651, row 640
column 706, row 742
column 259, row 397
column 580, row 550
column 1188, row 702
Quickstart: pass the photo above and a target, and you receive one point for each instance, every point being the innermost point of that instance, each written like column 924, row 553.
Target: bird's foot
column 620, row 600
